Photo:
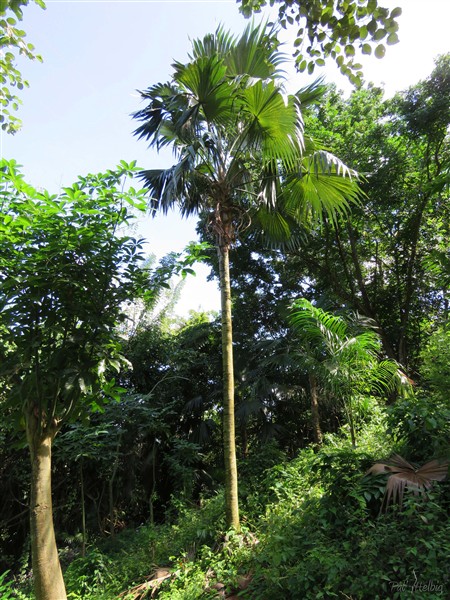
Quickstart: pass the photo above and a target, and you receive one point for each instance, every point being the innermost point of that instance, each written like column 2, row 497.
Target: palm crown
column 239, row 141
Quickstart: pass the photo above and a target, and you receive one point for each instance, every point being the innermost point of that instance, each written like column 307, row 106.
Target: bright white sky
column 98, row 53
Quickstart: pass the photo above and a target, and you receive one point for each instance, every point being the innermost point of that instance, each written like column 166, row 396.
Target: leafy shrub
column 218, row 569
column 197, row 525
column 89, row 575
column 322, row 539
column 117, row 563
column 316, row 532
column 435, row 368
column 255, row 483
column 422, row 425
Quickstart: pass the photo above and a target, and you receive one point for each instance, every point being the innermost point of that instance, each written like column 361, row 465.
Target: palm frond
column 325, row 163
column 181, row 185
column 273, row 127
column 403, row 474
column 311, row 93
column 206, row 85
column 253, row 55
column 163, row 104
column 169, row 119
column 386, row 377
column 270, row 190
column 313, row 193
column 360, row 347
column 256, row 53
column 273, row 225
column 218, row 43
column 316, row 325
column 248, row 408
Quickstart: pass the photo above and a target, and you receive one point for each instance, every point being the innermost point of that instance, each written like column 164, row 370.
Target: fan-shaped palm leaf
column 164, row 105
column 256, row 54
column 311, row 93
column 403, row 474
column 273, row 124
column 273, row 225
column 205, row 83
column 321, row 185
column 218, row 43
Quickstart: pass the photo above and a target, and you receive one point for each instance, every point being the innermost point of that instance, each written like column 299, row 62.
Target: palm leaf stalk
column 241, row 159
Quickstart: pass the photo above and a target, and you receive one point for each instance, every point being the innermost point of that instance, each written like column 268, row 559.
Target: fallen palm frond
column 149, row 588
column 402, row 474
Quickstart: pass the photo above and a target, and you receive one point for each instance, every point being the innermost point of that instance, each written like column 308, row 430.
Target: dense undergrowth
column 311, row 528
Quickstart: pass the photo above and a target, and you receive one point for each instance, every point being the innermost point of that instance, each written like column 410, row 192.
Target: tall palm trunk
column 229, row 438
column 48, row 579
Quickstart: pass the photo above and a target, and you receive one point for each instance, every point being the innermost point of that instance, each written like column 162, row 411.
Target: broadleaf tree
column 242, row 160
column 334, row 29
column 390, row 261
column 12, row 40
column 66, row 268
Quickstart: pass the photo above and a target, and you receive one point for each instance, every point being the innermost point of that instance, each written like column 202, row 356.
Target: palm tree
column 241, row 159
column 341, row 360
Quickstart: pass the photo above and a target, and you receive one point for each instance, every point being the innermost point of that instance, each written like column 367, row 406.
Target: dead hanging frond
column 226, row 223
column 402, row 474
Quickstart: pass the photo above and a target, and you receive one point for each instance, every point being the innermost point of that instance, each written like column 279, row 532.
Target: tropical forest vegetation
column 294, row 444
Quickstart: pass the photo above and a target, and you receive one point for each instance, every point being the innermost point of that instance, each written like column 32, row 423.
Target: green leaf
column 372, row 26
column 396, row 12
column 349, row 50
column 380, row 51
column 392, row 39
column 379, row 35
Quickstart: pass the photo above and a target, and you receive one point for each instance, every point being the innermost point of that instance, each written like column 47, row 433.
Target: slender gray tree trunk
column 83, row 512
column 349, row 408
column 317, row 431
column 111, row 488
column 229, row 437
column 47, row 574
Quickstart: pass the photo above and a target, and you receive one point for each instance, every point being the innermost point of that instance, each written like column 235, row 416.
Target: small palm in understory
column 242, row 159
column 344, row 362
